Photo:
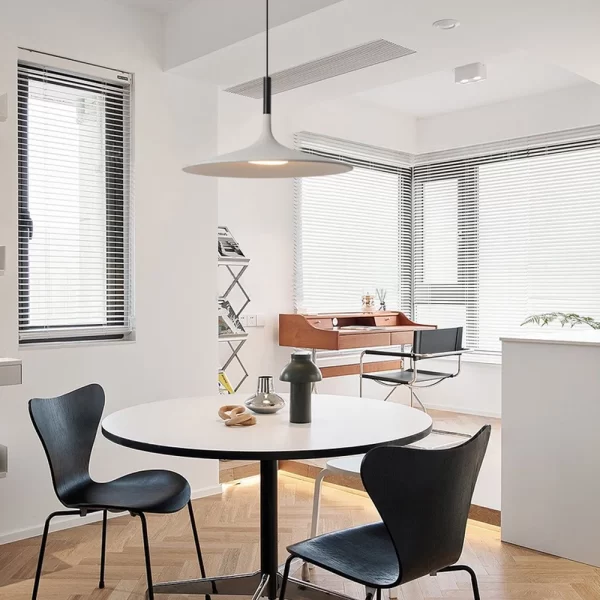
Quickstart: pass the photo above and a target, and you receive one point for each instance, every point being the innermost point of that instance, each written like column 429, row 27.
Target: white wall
column 568, row 108
column 175, row 273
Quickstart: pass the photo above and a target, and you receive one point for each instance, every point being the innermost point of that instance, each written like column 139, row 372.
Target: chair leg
column 470, row 571
column 103, row 549
column 150, row 593
column 284, row 579
column 314, row 524
column 196, row 539
column 38, row 571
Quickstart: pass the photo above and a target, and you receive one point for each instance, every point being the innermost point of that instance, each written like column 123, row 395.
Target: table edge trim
column 258, row 455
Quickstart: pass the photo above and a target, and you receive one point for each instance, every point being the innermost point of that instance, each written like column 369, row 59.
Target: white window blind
column 74, row 200
column 353, row 231
column 507, row 233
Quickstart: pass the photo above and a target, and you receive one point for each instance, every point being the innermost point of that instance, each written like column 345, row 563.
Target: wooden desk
column 346, row 331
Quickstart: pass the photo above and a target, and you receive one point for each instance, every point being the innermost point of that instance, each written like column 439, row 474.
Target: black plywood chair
column 423, row 498
column 67, row 427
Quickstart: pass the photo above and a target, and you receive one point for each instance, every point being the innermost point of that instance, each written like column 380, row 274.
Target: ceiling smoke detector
column 471, row 73
column 446, row 24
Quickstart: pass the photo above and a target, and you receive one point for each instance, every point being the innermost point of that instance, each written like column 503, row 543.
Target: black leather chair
column 67, row 427
column 423, row 498
column 427, row 344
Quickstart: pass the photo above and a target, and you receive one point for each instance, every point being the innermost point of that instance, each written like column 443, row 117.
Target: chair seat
column 154, row 491
column 404, row 376
column 362, row 554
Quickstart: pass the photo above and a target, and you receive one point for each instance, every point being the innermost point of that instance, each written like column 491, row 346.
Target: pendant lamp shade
column 267, row 158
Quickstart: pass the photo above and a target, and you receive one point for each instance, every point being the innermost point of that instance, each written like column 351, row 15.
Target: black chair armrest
column 441, row 354
column 389, row 353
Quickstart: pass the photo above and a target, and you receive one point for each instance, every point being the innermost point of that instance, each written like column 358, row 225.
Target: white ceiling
column 159, row 6
column 511, row 75
column 560, row 41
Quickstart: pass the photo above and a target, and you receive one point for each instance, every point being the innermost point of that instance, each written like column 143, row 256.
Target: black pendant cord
column 267, row 79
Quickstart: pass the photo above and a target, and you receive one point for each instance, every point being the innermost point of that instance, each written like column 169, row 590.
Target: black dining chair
column 423, row 497
column 67, row 426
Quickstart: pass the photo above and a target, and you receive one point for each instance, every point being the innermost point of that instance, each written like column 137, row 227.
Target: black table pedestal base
column 254, row 585
column 265, row 583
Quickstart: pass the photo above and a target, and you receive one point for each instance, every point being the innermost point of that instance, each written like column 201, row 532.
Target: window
column 74, row 217
column 478, row 237
column 353, row 231
column 505, row 235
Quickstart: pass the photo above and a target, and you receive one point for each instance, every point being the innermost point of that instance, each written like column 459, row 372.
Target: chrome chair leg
column 316, row 511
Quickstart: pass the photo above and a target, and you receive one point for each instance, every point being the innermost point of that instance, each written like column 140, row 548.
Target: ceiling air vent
column 353, row 59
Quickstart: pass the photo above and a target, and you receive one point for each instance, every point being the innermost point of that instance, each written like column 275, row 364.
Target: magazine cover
column 229, row 324
column 228, row 246
column 225, row 386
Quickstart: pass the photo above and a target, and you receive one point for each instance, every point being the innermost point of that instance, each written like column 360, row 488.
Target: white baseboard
column 75, row 521
column 464, row 411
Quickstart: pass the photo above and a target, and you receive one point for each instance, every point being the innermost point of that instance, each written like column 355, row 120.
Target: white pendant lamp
column 267, row 158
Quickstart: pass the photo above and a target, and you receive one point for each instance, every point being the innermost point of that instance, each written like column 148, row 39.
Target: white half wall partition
column 550, row 443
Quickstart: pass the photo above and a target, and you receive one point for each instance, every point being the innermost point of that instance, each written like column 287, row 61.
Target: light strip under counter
column 10, row 371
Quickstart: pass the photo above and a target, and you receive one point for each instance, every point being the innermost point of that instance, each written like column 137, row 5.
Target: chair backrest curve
column 67, row 427
column 423, row 497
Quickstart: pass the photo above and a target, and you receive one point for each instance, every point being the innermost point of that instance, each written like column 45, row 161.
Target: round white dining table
column 191, row 427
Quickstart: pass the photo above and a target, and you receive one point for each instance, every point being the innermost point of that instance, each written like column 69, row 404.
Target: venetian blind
column 353, row 231
column 506, row 231
column 74, row 200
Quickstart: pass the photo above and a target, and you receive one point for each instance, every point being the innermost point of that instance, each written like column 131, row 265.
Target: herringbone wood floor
column 229, row 534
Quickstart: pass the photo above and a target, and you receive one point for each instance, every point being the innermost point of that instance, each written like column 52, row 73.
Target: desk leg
column 268, row 525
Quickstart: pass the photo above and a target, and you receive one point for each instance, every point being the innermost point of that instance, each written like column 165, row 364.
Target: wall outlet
column 3, row 107
column 260, row 320
column 244, row 320
column 3, row 461
column 251, row 320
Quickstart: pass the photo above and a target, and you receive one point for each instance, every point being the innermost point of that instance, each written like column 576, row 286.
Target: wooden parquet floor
column 229, row 526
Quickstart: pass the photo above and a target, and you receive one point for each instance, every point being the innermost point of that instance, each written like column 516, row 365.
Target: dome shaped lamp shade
column 267, row 158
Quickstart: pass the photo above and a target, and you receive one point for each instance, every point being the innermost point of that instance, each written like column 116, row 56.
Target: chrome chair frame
column 413, row 383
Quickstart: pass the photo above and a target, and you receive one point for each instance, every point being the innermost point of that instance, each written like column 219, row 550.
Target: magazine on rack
column 229, row 324
column 228, row 246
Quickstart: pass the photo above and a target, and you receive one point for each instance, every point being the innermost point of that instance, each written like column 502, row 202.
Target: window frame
column 118, row 267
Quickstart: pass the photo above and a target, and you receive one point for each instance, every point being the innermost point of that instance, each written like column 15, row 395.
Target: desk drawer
column 322, row 323
column 10, row 374
column 402, row 337
column 363, row 340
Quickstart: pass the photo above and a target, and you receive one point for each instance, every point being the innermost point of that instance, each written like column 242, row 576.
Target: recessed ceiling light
column 471, row 73
column 447, row 24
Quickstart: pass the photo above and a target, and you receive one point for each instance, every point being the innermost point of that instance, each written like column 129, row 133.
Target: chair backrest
column 433, row 341
column 67, row 427
column 423, row 497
